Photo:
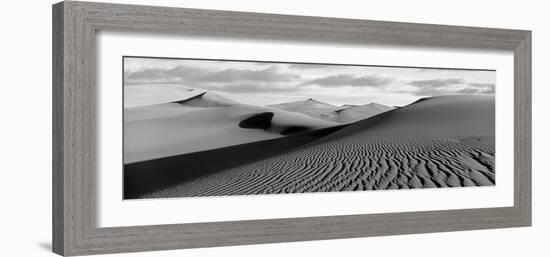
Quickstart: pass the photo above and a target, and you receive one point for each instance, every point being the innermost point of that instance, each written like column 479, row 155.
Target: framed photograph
column 183, row 128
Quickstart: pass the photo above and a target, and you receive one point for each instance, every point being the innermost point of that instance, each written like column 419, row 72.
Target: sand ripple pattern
column 354, row 163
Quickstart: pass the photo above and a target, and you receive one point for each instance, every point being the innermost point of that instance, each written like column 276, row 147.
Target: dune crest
column 207, row 99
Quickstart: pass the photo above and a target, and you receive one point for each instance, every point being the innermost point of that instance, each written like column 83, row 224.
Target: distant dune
column 203, row 121
column 310, row 107
column 355, row 113
column 341, row 114
column 435, row 142
column 143, row 95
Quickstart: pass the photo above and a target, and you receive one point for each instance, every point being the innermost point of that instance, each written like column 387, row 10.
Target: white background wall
column 25, row 142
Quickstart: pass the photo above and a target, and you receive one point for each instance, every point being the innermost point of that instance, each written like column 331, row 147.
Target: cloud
column 436, row 83
column 157, row 75
column 451, row 86
column 304, row 66
column 482, row 85
column 351, row 80
column 488, row 91
column 484, row 88
column 468, row 91
column 429, row 70
column 270, row 74
column 262, row 63
column 187, row 74
column 250, row 87
column 428, row 92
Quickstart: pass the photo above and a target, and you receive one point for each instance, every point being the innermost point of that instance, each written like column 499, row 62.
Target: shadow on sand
column 145, row 177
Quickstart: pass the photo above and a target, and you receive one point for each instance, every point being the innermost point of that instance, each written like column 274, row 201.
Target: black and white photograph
column 196, row 127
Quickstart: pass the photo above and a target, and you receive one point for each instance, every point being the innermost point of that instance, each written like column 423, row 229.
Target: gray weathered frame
column 74, row 122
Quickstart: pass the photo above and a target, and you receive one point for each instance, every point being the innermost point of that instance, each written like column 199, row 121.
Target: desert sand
column 201, row 121
column 445, row 141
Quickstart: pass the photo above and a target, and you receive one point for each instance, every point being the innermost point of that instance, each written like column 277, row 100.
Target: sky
column 266, row 83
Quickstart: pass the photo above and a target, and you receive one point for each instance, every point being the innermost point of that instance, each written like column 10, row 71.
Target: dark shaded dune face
column 257, row 121
column 293, row 130
column 145, row 177
column 265, row 121
column 437, row 142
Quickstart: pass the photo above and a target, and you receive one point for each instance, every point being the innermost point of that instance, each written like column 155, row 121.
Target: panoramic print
column 196, row 127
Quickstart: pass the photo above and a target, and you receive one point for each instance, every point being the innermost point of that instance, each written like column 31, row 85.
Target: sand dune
column 202, row 122
column 341, row 114
column 355, row 113
column 207, row 99
column 435, row 142
column 310, row 107
column 458, row 116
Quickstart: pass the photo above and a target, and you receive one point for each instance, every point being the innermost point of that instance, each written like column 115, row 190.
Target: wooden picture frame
column 75, row 25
